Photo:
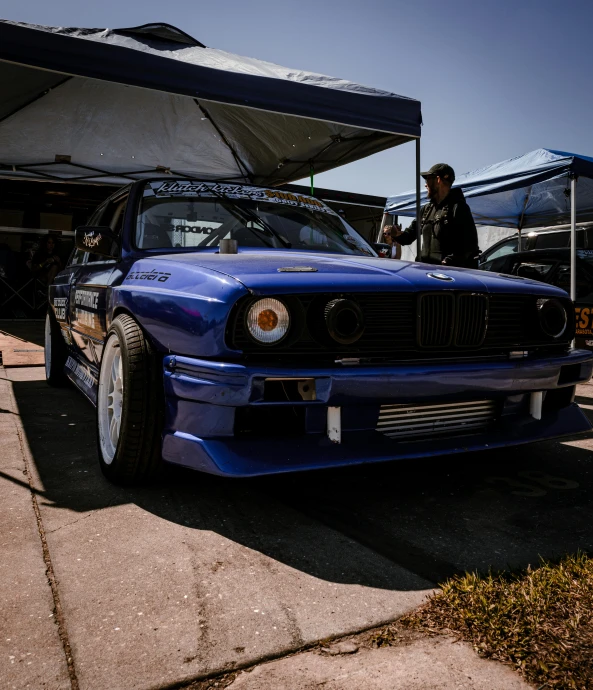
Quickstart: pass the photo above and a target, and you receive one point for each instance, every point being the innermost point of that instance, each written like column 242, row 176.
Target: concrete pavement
column 31, row 653
column 438, row 663
column 159, row 585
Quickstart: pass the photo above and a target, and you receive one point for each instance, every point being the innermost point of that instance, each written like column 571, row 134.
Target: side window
column 504, row 249
column 584, row 283
column 534, row 270
column 113, row 216
column 77, row 257
column 556, row 240
column 116, row 221
column 97, row 214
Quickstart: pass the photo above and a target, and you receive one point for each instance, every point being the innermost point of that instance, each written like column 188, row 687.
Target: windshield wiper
column 244, row 214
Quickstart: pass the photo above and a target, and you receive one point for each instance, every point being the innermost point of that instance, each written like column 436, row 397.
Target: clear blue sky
column 496, row 79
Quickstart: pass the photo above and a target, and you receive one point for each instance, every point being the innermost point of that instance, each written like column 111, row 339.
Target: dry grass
column 540, row 620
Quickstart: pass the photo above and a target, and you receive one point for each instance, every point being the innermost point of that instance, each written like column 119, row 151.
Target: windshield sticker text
column 233, row 191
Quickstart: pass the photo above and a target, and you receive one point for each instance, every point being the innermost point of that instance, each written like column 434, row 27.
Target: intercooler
column 426, row 420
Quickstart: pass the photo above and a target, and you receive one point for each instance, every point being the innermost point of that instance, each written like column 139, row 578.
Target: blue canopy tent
column 543, row 187
column 104, row 105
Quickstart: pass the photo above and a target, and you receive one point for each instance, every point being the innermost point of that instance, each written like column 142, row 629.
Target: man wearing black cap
column 449, row 234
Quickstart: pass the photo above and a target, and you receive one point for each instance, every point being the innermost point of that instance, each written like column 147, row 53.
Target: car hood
column 282, row 272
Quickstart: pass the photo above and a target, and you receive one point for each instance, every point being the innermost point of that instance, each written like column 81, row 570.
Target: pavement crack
column 69, row 524
column 51, row 576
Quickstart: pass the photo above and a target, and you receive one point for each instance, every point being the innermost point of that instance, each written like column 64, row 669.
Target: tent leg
column 418, row 228
column 386, row 220
column 573, row 238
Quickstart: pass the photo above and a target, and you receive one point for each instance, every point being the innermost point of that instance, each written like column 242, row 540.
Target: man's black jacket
column 453, row 225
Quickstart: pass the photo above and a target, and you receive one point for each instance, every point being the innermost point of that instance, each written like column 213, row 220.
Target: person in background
column 449, row 235
column 389, row 233
column 45, row 262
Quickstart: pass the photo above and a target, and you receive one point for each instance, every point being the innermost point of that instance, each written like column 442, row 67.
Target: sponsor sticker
column 82, row 373
column 233, row 191
column 85, row 318
column 86, row 298
column 91, row 240
column 160, row 276
column 584, row 320
column 60, row 304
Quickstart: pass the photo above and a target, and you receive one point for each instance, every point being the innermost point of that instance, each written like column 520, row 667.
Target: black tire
column 55, row 353
column 137, row 455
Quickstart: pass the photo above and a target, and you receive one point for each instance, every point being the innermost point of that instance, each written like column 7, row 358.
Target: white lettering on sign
column 60, row 304
column 81, row 372
column 85, row 318
column 87, row 298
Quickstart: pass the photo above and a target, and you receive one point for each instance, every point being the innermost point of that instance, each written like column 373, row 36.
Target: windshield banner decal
column 185, row 188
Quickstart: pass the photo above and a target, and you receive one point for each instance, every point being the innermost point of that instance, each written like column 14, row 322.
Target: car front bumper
column 208, row 403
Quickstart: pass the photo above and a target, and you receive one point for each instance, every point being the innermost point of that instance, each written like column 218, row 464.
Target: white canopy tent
column 107, row 106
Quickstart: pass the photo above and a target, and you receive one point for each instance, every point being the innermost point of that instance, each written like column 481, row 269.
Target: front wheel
column 129, row 405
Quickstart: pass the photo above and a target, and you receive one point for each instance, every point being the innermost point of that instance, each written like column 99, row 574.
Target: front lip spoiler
column 250, row 457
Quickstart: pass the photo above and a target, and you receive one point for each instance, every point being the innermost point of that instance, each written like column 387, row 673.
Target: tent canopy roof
column 532, row 190
column 219, row 115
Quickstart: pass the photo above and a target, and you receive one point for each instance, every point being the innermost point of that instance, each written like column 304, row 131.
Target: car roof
column 557, row 228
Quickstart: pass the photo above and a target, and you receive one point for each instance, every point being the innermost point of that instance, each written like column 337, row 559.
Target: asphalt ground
column 156, row 586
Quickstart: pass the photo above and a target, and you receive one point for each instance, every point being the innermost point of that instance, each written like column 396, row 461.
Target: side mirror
column 382, row 249
column 97, row 240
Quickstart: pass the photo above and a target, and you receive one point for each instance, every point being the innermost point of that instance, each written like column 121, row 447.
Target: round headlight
column 552, row 317
column 268, row 321
column 344, row 320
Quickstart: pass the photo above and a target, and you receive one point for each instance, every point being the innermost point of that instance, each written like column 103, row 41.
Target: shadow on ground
column 29, row 331
column 497, row 509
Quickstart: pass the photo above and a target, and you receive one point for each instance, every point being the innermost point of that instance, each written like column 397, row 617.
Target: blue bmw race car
column 241, row 331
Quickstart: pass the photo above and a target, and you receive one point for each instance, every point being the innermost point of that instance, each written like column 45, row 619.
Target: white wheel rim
column 47, row 350
column 110, row 398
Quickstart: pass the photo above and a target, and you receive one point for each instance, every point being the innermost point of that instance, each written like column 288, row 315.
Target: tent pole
column 418, row 228
column 522, row 219
column 384, row 221
column 573, row 238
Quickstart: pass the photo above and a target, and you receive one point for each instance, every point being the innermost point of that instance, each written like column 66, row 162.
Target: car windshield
column 200, row 222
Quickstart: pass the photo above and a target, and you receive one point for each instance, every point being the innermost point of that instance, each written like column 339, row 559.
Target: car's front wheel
column 129, row 405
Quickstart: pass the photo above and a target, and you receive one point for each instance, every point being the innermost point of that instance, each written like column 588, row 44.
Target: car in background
column 553, row 237
column 552, row 266
column 243, row 330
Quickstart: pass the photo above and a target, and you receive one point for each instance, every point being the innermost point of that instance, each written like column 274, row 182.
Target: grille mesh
column 425, row 421
column 405, row 326
column 472, row 320
column 436, row 319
